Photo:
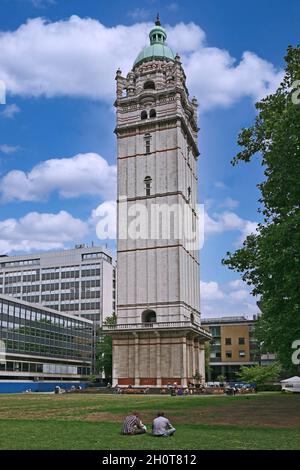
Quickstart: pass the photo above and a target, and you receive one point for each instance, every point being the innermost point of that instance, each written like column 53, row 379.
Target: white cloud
column 241, row 294
column 37, row 231
column 211, row 291
column 140, row 14
column 231, row 298
column 10, row 111
column 42, row 3
column 8, row 149
column 173, row 7
column 220, row 81
column 83, row 174
column 48, row 231
column 236, row 284
column 247, row 228
column 228, row 221
column 104, row 220
column 79, row 57
column 220, row 185
column 229, row 203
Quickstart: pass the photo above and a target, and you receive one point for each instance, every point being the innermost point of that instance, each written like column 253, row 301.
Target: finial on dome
column 157, row 22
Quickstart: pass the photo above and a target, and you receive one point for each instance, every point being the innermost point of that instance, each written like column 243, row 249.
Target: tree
column 104, row 349
column 197, row 376
column 207, row 349
column 269, row 259
column 221, row 378
column 259, row 374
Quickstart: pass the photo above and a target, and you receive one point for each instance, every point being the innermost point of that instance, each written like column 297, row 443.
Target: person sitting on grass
column 161, row 426
column 133, row 425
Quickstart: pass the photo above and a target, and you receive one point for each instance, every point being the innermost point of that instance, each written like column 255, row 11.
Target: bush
column 269, row 388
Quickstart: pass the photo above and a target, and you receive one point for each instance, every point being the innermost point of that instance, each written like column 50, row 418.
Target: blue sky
column 58, row 61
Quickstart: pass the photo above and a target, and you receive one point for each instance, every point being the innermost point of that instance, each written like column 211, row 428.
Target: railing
column 143, row 326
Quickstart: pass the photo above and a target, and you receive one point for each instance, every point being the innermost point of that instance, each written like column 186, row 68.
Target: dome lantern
column 158, row 48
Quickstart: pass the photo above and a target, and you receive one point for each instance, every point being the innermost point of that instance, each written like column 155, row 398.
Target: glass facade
column 42, row 341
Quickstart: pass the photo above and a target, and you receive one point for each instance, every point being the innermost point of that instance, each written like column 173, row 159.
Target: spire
column 157, row 22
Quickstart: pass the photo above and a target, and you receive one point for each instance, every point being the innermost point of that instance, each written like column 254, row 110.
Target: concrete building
column 158, row 337
column 77, row 281
column 38, row 343
column 234, row 344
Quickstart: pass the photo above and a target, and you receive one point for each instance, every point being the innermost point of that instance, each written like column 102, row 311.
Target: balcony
column 181, row 325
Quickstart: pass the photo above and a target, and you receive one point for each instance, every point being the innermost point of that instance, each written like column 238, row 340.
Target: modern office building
column 234, row 345
column 77, row 281
column 38, row 343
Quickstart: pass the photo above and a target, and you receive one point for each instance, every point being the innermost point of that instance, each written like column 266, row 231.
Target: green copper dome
column 158, row 48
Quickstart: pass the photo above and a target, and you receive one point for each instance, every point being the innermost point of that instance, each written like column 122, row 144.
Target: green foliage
column 221, row 378
column 259, row 374
column 104, row 349
column 92, row 379
column 269, row 388
column 207, row 351
column 197, row 376
column 270, row 259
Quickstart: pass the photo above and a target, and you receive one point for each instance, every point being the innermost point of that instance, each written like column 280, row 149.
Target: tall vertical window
column 189, row 193
column 148, row 182
column 147, row 139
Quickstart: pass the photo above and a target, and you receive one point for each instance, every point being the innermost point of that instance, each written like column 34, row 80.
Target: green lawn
column 263, row 421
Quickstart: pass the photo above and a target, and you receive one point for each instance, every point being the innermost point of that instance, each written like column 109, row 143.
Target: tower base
column 158, row 357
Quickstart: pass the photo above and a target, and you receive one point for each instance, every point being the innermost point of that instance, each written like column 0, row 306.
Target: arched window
column 149, row 85
column 148, row 182
column 144, row 115
column 192, row 318
column 152, row 113
column 148, row 316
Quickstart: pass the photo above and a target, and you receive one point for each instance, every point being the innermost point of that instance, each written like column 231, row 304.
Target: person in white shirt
column 161, row 426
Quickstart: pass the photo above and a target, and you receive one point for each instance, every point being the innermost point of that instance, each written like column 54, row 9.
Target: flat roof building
column 38, row 343
column 234, row 344
column 79, row 281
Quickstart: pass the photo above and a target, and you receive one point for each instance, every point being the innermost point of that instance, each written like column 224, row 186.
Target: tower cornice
column 157, row 125
column 157, row 94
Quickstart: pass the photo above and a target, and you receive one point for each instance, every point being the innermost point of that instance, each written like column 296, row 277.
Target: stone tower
column 158, row 337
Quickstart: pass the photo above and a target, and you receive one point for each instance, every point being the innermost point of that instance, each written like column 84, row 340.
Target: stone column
column 188, row 359
column 136, row 360
column 197, row 366
column 115, row 366
column 120, row 83
column 184, row 363
column 202, row 360
column 158, row 360
column 194, row 356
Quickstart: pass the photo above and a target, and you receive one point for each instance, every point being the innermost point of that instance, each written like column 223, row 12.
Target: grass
column 263, row 421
